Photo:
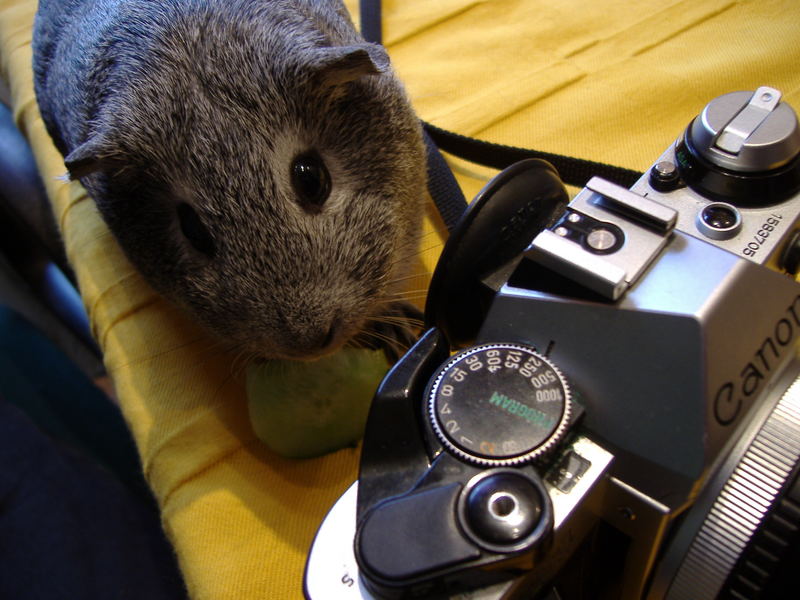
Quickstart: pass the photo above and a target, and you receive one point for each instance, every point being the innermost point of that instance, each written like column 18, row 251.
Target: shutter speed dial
column 499, row 404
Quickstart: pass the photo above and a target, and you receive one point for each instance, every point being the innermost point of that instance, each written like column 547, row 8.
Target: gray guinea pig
column 257, row 160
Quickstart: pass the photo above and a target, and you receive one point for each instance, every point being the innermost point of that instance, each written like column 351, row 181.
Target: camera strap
column 442, row 185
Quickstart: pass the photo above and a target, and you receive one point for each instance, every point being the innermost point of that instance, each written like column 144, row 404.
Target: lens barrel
column 742, row 533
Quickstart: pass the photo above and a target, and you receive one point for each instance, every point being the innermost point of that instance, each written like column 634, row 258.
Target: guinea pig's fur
column 184, row 120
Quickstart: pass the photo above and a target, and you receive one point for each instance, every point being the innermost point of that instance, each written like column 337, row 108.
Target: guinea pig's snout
column 315, row 340
column 334, row 333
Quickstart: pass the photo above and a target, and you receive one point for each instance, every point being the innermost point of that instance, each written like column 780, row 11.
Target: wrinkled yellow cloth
column 611, row 81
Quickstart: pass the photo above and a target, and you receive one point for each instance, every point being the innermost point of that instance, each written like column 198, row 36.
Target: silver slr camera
column 605, row 403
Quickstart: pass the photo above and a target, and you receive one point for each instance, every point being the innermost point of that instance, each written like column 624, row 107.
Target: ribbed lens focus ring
column 751, row 492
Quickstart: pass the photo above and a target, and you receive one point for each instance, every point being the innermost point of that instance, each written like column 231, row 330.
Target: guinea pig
column 257, row 160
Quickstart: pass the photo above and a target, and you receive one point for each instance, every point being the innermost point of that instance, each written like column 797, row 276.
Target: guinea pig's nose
column 333, row 334
column 313, row 340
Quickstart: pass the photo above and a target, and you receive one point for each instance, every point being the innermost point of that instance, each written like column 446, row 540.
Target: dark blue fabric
column 29, row 238
column 442, row 184
column 75, row 519
column 371, row 19
column 41, row 381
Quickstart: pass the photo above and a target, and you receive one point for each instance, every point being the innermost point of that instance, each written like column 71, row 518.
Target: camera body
column 621, row 414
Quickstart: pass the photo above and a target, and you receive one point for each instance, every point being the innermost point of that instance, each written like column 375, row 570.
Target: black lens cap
column 497, row 226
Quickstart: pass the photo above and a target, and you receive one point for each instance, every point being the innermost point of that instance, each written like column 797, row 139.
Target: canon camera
column 604, row 403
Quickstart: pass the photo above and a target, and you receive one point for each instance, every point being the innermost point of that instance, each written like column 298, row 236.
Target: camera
column 605, row 403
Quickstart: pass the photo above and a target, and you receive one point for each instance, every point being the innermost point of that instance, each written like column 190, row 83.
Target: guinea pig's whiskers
column 431, row 232
column 394, row 329
column 419, row 251
column 405, row 295
column 218, row 390
column 382, row 340
column 428, row 236
column 214, row 349
column 396, row 280
column 240, row 363
column 398, row 320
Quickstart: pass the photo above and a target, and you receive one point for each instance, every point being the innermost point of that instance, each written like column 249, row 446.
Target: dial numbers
column 499, row 404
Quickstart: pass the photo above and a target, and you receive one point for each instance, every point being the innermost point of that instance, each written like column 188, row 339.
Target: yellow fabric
column 613, row 81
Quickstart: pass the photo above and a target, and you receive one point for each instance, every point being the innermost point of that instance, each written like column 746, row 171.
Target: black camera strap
column 442, row 185
column 573, row 171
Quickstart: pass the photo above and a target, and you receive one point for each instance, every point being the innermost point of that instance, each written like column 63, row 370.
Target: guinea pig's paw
column 394, row 330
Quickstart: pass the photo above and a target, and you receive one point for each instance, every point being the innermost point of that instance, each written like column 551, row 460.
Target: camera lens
column 719, row 221
column 741, row 539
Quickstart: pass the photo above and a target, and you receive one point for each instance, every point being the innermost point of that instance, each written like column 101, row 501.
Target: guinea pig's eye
column 194, row 230
column 311, row 181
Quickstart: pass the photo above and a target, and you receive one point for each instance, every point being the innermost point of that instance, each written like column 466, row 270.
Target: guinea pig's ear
column 341, row 64
column 91, row 156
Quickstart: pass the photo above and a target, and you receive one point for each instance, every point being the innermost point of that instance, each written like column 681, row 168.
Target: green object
column 304, row 409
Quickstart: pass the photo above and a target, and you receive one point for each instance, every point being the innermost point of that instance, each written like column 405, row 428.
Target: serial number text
column 757, row 241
